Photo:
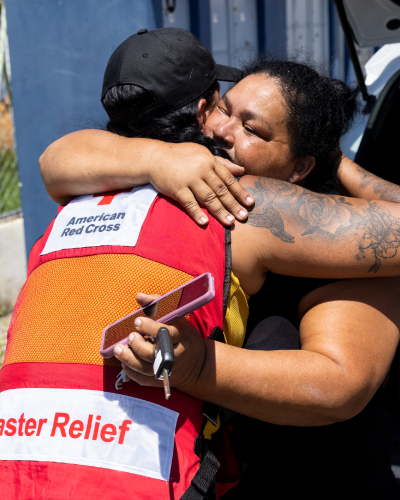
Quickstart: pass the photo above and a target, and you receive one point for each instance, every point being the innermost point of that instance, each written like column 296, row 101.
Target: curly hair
column 319, row 110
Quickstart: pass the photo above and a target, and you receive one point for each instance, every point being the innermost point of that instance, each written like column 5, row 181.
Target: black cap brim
column 227, row 73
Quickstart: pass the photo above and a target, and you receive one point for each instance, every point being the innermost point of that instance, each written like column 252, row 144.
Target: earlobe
column 302, row 168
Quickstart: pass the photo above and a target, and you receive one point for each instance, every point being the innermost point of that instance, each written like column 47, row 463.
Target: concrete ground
column 4, row 322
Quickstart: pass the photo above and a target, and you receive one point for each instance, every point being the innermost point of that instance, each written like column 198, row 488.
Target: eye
column 224, row 111
column 250, row 131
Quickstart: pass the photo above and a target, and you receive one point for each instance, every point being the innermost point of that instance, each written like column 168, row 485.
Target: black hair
column 174, row 126
column 319, row 110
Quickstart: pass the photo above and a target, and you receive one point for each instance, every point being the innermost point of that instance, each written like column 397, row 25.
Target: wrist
column 155, row 160
column 198, row 385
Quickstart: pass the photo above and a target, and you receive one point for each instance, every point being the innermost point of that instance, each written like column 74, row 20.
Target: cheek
column 266, row 159
column 249, row 153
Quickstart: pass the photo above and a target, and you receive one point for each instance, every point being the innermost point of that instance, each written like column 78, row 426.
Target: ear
column 201, row 113
column 302, row 168
column 204, row 110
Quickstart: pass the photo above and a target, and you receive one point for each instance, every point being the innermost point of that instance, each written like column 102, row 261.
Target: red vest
column 65, row 431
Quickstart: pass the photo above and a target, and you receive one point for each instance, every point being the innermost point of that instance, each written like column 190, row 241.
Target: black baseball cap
column 170, row 63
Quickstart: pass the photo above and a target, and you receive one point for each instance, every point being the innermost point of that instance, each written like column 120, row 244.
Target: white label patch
column 97, row 220
column 93, row 428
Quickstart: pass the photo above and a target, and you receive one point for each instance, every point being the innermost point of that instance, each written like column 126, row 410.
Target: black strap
column 210, row 411
column 209, row 464
column 217, row 334
column 228, row 267
column 203, row 478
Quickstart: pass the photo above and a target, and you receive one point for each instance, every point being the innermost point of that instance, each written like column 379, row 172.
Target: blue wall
column 272, row 26
column 59, row 50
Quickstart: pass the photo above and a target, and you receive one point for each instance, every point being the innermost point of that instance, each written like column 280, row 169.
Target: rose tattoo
column 379, row 233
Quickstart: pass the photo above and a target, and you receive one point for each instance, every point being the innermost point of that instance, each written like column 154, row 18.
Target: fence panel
column 9, row 182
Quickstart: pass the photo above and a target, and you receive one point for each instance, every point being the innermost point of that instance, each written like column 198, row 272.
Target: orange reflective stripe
column 66, row 303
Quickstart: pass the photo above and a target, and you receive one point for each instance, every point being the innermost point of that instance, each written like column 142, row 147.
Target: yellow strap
column 210, row 428
column 236, row 314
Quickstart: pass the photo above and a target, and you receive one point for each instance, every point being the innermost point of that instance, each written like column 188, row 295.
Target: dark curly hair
column 174, row 126
column 319, row 110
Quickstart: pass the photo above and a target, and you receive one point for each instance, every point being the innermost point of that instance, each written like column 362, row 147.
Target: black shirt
column 346, row 460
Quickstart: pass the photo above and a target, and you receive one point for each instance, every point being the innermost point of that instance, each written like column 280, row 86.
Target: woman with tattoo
column 295, row 400
column 282, row 122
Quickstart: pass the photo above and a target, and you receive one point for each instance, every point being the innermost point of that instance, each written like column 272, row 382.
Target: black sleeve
column 273, row 321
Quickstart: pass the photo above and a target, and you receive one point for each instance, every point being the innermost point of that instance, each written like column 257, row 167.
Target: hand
column 190, row 174
column 345, row 173
column 189, row 350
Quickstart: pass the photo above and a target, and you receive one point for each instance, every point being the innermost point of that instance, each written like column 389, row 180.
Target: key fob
column 164, row 353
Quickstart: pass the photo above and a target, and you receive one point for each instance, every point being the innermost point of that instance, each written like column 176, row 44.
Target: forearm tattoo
column 386, row 191
column 376, row 231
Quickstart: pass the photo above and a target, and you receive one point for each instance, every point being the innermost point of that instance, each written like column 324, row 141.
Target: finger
column 147, row 326
column 232, row 167
column 234, row 186
column 129, row 358
column 144, row 350
column 189, row 203
column 146, row 380
column 143, row 298
column 224, row 195
column 209, row 198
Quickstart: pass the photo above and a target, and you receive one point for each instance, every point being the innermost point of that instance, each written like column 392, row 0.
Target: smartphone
column 166, row 309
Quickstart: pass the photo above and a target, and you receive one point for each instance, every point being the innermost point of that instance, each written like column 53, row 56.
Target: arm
column 357, row 182
column 92, row 161
column 349, row 334
column 296, row 232
column 96, row 161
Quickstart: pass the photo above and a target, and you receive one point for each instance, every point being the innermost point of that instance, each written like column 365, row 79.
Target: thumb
column 232, row 167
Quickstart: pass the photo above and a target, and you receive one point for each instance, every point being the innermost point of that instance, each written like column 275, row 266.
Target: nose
column 225, row 132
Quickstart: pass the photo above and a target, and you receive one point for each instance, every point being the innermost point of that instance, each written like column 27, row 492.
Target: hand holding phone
column 166, row 309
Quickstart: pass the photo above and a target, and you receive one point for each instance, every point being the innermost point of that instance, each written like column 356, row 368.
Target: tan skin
column 250, row 120
column 336, row 372
column 349, row 333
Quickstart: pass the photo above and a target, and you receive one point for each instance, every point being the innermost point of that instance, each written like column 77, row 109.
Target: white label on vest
column 99, row 429
column 97, row 220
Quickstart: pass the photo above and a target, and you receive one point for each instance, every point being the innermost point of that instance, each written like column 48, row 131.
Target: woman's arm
column 96, row 161
column 356, row 182
column 349, row 334
column 296, row 232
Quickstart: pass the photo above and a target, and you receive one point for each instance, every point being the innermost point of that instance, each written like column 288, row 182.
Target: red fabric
column 28, row 480
column 107, row 198
column 170, row 237
column 168, row 234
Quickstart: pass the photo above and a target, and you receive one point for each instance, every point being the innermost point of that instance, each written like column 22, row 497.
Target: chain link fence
column 10, row 202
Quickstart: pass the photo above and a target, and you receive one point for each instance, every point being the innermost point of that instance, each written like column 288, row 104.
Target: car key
column 164, row 358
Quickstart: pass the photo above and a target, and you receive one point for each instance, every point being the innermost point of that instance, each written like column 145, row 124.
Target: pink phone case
column 108, row 351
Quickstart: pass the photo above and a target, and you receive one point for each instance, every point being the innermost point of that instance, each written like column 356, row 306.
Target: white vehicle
column 373, row 140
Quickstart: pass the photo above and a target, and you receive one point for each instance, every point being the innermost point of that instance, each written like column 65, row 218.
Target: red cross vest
column 65, row 430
